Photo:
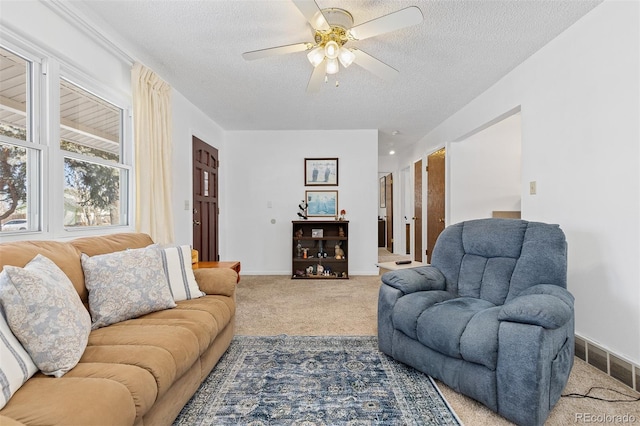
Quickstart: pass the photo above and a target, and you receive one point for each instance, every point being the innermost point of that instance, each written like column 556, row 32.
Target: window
column 90, row 137
column 64, row 151
column 19, row 163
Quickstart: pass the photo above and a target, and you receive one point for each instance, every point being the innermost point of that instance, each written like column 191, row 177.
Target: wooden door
column 389, row 205
column 435, row 198
column 417, row 211
column 205, row 200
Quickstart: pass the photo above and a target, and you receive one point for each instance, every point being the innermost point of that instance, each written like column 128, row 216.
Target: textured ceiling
column 458, row 51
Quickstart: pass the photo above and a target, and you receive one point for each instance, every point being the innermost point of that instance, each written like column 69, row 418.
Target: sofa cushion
column 179, row 343
column 442, row 326
column 485, row 278
column 46, row 314
column 138, row 381
column 46, row 400
column 409, row 308
column 220, row 308
column 179, row 272
column 103, row 244
column 16, row 366
column 64, row 255
column 125, row 284
column 479, row 341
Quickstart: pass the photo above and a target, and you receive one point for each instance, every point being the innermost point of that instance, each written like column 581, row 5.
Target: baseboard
column 613, row 365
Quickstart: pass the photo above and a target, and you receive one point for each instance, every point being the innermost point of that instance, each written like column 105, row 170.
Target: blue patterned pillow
column 125, row 284
column 45, row 313
column 16, row 365
column 179, row 271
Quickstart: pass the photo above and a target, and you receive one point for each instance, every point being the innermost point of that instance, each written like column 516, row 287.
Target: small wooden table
column 392, row 266
column 234, row 264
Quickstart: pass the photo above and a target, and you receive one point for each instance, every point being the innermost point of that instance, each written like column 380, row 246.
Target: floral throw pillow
column 125, row 284
column 45, row 313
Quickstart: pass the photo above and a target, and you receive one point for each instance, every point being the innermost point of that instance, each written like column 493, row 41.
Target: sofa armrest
column 411, row 280
column 548, row 306
column 220, row 281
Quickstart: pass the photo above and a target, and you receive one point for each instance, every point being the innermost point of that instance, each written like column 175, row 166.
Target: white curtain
column 152, row 120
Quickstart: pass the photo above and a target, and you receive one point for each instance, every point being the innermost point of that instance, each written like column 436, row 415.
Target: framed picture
column 321, row 172
column 322, row 203
column 383, row 192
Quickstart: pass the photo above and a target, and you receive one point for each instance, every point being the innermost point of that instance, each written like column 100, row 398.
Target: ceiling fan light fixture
column 332, row 66
column 346, row 57
column 316, row 56
column 331, row 49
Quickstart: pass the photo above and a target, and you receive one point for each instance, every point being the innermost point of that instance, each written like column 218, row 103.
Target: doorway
column 417, row 211
column 435, row 198
column 205, row 200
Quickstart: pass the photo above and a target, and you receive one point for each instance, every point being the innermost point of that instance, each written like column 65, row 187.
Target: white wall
column 580, row 106
column 266, row 168
column 485, row 172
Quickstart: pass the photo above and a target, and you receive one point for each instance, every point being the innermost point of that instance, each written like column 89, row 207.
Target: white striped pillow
column 16, row 365
column 179, row 271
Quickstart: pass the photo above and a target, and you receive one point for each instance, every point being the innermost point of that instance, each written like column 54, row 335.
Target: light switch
column 186, row 204
column 533, row 187
column 269, row 204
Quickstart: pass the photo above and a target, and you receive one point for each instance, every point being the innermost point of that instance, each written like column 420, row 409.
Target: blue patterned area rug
column 326, row 380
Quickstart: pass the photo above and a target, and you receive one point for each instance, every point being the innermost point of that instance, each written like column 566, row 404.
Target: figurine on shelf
column 320, row 269
column 299, row 233
column 343, row 212
column 339, row 253
column 340, row 231
column 303, row 210
column 299, row 249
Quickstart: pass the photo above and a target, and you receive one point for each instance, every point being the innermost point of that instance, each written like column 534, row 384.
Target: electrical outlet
column 533, row 187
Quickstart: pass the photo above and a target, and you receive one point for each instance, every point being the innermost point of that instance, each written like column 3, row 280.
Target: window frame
column 46, row 166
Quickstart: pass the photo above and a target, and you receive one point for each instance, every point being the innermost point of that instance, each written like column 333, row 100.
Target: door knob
column 441, row 220
column 196, row 222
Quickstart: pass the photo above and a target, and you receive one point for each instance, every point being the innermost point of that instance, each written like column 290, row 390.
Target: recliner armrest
column 548, row 306
column 411, row 280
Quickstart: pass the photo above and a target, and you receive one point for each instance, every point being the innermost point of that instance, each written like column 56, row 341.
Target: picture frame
column 383, row 192
column 321, row 203
column 321, row 172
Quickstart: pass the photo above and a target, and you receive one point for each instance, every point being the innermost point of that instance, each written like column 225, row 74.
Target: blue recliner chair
column 490, row 316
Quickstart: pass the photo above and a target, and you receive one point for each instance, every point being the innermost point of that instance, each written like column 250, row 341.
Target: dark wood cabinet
column 320, row 249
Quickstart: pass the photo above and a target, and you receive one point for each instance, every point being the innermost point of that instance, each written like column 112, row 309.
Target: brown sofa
column 137, row 372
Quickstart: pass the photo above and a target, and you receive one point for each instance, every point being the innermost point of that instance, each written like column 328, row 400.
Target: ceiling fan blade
column 312, row 13
column 279, row 50
column 394, row 21
column 375, row 66
column 317, row 77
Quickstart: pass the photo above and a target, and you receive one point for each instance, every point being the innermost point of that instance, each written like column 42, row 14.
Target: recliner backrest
column 495, row 259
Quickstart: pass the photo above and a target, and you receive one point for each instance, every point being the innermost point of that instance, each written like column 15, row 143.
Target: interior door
column 417, row 211
column 205, row 200
column 435, row 198
column 389, row 206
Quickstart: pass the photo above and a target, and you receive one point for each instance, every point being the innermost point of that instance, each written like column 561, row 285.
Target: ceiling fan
column 333, row 29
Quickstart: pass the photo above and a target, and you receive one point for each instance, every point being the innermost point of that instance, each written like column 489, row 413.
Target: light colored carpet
column 272, row 305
